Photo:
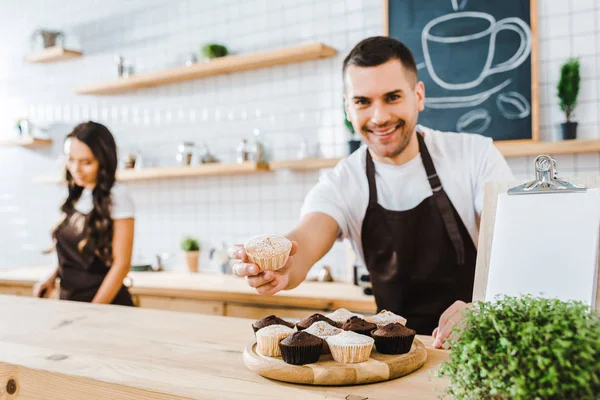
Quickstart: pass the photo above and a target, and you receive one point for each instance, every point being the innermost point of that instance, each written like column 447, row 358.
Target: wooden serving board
column 380, row 367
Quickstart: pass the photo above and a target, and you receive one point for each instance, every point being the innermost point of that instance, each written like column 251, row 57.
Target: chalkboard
column 477, row 59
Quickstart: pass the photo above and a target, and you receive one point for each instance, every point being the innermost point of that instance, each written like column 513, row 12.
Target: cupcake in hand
column 268, row 338
column 393, row 338
column 301, row 348
column 350, row 347
column 269, row 252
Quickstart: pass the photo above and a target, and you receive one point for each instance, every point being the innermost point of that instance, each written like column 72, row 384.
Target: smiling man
column 409, row 201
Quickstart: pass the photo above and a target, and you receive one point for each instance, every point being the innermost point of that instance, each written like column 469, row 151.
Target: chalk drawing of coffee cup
column 461, row 47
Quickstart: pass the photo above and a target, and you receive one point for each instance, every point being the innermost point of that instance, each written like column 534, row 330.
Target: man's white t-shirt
column 464, row 163
column 122, row 204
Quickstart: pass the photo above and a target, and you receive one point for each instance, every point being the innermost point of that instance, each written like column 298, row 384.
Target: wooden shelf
column 52, row 54
column 28, row 142
column 304, row 165
column 218, row 66
column 212, row 169
column 529, row 148
column 508, row 149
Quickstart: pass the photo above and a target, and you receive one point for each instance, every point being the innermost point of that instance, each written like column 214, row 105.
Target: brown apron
column 81, row 273
column 421, row 260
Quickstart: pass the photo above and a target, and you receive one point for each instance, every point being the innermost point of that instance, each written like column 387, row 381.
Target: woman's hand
column 44, row 288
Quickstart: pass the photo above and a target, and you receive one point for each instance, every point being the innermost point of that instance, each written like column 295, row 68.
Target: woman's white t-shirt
column 122, row 203
column 464, row 162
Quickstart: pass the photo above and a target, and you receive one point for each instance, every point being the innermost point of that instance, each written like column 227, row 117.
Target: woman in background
column 94, row 241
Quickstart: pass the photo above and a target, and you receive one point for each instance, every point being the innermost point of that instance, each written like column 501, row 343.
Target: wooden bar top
column 205, row 286
column 60, row 350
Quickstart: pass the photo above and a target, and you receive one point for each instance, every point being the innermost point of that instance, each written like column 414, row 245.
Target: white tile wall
column 288, row 104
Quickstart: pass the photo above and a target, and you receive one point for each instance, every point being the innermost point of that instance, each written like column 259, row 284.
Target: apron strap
column 443, row 202
column 371, row 179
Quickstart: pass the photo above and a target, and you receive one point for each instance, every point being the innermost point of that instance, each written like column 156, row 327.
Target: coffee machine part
column 186, row 153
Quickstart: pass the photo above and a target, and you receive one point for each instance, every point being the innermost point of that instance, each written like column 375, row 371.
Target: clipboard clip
column 546, row 181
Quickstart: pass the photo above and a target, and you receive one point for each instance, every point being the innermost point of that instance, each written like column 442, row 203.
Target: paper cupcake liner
column 269, row 263
column 393, row 345
column 268, row 345
column 300, row 355
column 351, row 354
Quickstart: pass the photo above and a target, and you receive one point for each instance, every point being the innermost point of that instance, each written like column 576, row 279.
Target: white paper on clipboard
column 546, row 245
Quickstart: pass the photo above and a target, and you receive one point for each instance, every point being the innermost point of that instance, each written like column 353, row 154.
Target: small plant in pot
column 214, row 50
column 353, row 143
column 568, row 90
column 525, row 348
column 191, row 247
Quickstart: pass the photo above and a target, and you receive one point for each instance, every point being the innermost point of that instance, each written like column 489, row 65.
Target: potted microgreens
column 525, row 348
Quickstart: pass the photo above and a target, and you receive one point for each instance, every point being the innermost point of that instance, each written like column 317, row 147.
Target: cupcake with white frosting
column 268, row 338
column 341, row 315
column 269, row 252
column 385, row 317
column 350, row 347
column 323, row 330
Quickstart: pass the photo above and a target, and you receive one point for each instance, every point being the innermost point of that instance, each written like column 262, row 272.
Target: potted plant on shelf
column 353, row 143
column 525, row 348
column 568, row 90
column 191, row 247
column 214, row 50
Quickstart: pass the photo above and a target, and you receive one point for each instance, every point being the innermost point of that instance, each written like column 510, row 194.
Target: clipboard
column 544, row 187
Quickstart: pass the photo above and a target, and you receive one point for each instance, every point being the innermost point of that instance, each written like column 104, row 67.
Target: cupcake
column 301, row 348
column 305, row 323
column 323, row 330
column 393, row 338
column 270, row 320
column 385, row 317
column 341, row 315
column 359, row 325
column 268, row 338
column 269, row 252
column 350, row 347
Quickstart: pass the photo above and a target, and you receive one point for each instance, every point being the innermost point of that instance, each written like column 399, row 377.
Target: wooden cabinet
column 253, row 311
column 180, row 304
column 258, row 312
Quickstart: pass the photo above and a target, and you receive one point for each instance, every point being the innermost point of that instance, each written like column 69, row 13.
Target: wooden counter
column 214, row 294
column 60, row 350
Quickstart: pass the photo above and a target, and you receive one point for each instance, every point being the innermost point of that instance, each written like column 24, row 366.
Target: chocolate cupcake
column 270, row 320
column 305, row 323
column 393, row 338
column 323, row 330
column 301, row 348
column 359, row 325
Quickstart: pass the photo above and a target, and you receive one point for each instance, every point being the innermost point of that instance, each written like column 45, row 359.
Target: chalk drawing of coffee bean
column 513, row 105
column 475, row 121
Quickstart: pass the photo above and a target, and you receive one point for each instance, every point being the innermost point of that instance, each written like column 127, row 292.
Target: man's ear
column 420, row 92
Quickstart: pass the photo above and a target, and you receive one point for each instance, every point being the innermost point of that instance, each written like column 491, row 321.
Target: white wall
column 287, row 103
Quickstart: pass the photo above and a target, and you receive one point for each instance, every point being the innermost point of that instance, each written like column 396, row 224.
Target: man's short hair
column 378, row 50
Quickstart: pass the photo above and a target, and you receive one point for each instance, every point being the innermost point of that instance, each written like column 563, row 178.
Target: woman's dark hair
column 377, row 50
column 98, row 229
